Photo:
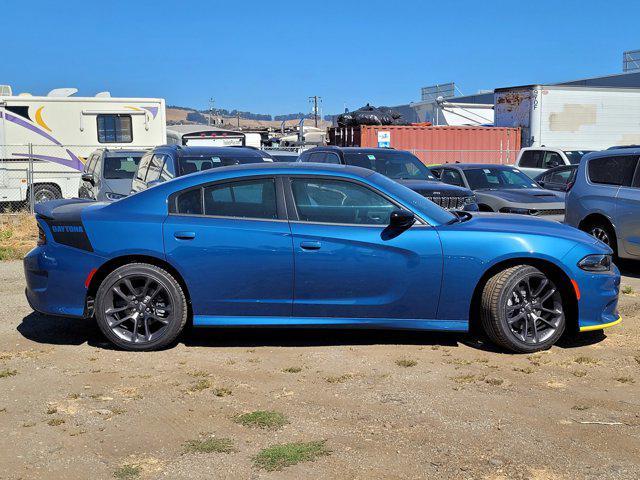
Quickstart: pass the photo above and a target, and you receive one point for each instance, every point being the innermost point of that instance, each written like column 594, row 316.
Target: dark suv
column 401, row 166
column 169, row 161
column 108, row 174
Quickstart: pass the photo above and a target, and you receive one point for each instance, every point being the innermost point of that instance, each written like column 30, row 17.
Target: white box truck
column 559, row 124
column 63, row 130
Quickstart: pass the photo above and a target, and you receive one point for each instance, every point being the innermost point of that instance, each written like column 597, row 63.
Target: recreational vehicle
column 57, row 132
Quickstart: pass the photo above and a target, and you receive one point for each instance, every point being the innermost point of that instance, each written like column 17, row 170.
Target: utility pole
column 315, row 99
column 211, row 103
column 238, row 117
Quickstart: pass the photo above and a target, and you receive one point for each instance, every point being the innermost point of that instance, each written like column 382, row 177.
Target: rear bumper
column 55, row 277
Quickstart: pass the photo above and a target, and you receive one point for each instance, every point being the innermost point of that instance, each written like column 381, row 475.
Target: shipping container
column 570, row 118
column 435, row 145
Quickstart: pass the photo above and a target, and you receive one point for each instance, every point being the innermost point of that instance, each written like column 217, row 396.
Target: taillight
column 42, row 238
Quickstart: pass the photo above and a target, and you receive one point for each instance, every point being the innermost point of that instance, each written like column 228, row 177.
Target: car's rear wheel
column 522, row 309
column 603, row 232
column 140, row 307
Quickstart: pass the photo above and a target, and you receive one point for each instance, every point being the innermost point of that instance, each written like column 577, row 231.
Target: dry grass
column 406, row 362
column 18, row 235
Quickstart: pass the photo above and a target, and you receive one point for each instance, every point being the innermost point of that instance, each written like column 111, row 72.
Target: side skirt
column 300, row 322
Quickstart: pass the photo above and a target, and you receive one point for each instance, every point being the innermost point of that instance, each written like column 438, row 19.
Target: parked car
column 108, row 173
column 303, row 244
column 401, row 166
column 559, row 179
column 536, row 160
column 170, row 161
column 504, row 189
column 605, row 200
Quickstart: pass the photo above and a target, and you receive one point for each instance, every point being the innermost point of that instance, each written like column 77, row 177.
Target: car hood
column 435, row 187
column 525, row 225
column 526, row 195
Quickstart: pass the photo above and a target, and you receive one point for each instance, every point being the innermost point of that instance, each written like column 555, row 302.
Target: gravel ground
column 387, row 404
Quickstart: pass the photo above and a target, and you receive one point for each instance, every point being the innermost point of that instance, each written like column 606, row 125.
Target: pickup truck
column 536, row 160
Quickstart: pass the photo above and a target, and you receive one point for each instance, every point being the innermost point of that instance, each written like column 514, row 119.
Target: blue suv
column 605, row 199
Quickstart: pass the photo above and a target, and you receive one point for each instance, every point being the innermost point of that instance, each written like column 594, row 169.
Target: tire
column 44, row 193
column 603, row 232
column 144, row 299
column 506, row 296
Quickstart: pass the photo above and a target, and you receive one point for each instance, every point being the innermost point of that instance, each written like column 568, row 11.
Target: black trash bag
column 369, row 115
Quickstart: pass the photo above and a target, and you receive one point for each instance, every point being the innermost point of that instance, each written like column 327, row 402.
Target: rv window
column 115, row 128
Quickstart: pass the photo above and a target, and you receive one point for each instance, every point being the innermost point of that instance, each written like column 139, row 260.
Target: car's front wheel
column 140, row 307
column 522, row 309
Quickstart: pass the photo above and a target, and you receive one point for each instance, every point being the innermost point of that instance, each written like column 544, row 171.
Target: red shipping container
column 435, row 145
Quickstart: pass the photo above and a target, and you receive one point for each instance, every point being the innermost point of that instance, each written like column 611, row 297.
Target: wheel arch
column 483, row 207
column 596, row 217
column 555, row 272
column 110, row 265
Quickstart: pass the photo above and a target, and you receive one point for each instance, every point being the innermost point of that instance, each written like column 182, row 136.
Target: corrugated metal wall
column 439, row 144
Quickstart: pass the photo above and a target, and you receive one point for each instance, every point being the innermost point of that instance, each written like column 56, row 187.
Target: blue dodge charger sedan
column 297, row 245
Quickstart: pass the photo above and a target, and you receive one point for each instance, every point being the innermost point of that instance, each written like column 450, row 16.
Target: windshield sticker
column 486, row 170
column 264, row 159
column 371, row 157
column 216, row 159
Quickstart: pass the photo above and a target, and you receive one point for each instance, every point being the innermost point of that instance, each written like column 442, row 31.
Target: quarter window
column 115, row 128
column 335, row 201
column 531, row 159
column 617, row 170
column 190, row 202
column 246, row 199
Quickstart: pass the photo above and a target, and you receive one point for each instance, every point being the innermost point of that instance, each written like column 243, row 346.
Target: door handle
column 310, row 245
column 185, row 235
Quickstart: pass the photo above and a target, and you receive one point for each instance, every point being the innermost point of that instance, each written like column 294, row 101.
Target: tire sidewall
column 163, row 278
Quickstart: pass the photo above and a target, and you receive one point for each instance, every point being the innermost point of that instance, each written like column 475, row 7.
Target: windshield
column 206, row 162
column 121, row 168
column 574, row 156
column 393, row 164
column 498, row 178
column 415, row 201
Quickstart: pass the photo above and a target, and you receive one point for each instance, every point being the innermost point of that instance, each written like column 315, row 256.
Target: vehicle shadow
column 47, row 329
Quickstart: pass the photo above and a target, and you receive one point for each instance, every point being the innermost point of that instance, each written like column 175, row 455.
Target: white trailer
column 570, row 117
column 62, row 130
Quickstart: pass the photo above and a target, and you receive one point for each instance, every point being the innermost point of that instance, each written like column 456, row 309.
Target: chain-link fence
column 437, row 157
column 32, row 173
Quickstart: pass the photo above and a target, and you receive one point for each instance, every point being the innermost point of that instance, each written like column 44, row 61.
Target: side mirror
column 401, row 219
column 554, row 164
column 88, row 177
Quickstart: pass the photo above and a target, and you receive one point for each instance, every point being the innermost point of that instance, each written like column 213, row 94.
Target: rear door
column 628, row 205
column 347, row 262
column 232, row 244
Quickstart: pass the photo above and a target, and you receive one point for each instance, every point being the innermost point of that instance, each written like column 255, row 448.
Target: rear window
column 121, row 167
column 206, row 162
column 394, row 164
column 531, row 159
column 617, row 170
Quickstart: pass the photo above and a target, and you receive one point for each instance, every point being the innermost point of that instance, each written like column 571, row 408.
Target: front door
column 348, row 264
column 233, row 246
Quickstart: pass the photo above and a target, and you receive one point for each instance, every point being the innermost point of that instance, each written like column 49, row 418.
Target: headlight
column 470, row 200
column 596, row 263
column 114, row 196
column 519, row 211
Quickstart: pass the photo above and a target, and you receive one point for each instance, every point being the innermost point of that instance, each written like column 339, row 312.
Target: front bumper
column 598, row 304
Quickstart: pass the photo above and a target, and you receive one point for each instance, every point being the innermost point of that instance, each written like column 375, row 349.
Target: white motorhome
column 63, row 130
column 570, row 118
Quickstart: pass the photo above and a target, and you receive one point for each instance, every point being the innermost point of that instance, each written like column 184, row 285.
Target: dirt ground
column 392, row 405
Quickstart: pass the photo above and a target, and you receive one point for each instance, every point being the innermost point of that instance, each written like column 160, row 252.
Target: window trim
column 280, row 203
column 295, row 218
column 113, row 115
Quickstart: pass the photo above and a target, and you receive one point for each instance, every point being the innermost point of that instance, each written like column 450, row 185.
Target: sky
column 269, row 57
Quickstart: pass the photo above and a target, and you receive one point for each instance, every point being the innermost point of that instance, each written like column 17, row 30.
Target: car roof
column 467, row 166
column 201, row 150
column 351, row 149
column 620, row 150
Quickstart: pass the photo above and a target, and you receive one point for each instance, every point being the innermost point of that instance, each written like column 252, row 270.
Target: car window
column 192, row 164
column 574, row 156
column 452, row 177
column 394, row 164
column 551, row 160
column 332, row 158
column 317, row 157
column 121, row 167
column 559, row 176
column 531, row 159
column 91, row 163
column 143, row 166
column 190, row 202
column 497, row 178
column 246, row 199
column 155, row 167
column 616, row 170
column 168, row 169
column 336, row 201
